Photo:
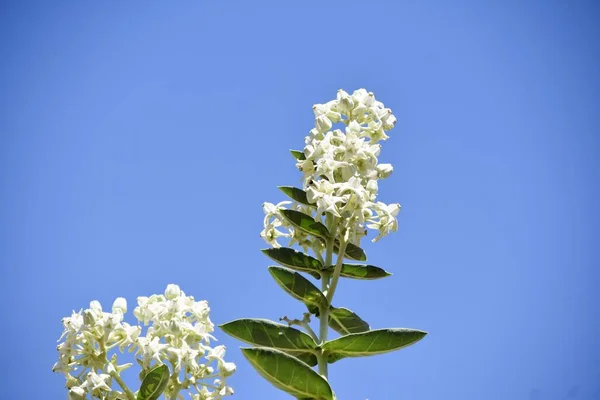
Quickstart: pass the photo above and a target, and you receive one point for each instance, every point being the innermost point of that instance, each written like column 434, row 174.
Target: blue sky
column 139, row 140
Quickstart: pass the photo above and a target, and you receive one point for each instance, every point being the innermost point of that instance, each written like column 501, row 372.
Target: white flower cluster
column 341, row 171
column 178, row 334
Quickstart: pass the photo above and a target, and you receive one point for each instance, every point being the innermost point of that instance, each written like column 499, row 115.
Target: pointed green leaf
column 344, row 321
column 361, row 271
column 154, row 383
column 352, row 252
column 265, row 333
column 299, row 287
column 307, row 358
column 371, row 343
column 288, row 374
column 295, row 260
column 298, row 155
column 305, row 223
column 296, row 194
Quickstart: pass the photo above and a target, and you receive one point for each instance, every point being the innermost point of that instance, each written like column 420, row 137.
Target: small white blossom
column 172, row 291
column 323, row 123
column 119, row 305
column 97, row 383
column 384, row 170
column 76, row 393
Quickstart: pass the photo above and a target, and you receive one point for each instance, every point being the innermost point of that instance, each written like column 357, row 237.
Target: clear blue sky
column 139, row 140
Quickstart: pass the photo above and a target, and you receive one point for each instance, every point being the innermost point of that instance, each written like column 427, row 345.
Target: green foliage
column 345, row 322
column 295, row 260
column 306, row 223
column 352, row 252
column 371, row 343
column 298, row 155
column 154, row 383
column 288, row 374
column 361, row 271
column 265, row 333
column 296, row 194
column 299, row 287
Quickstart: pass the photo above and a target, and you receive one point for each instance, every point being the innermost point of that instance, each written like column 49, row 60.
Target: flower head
column 340, row 171
column 178, row 333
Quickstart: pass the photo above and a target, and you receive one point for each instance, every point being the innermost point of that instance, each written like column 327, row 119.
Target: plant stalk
column 128, row 392
column 337, row 270
column 331, row 223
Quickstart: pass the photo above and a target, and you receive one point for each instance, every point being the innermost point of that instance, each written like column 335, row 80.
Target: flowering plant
column 174, row 354
column 329, row 215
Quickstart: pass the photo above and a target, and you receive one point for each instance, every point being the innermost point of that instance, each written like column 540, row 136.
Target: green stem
column 323, row 327
column 174, row 378
column 128, row 392
column 176, row 392
column 309, row 330
column 318, row 255
column 331, row 223
column 337, row 270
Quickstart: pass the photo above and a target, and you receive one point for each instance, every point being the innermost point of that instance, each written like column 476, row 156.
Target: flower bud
column 389, row 120
column 72, row 381
column 334, row 116
column 359, row 95
column 172, row 291
column 319, row 109
column 110, row 369
column 323, row 123
column 228, row 368
column 76, row 393
column 95, row 305
column 384, row 170
column 119, row 305
column 359, row 112
column 394, row 209
column 372, row 186
column 89, row 317
column 345, row 103
column 174, row 327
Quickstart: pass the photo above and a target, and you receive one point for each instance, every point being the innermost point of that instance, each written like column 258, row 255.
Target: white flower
column 345, row 103
column 385, row 221
column 119, row 305
column 228, row 368
column 388, row 120
column 274, row 220
column 323, row 123
column 384, row 170
column 95, row 305
column 97, row 383
column 322, row 193
column 76, row 393
column 172, row 291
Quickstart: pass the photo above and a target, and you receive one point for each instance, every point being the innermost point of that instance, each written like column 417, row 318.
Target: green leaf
column 296, row 194
column 307, row 358
column 265, row 333
column 352, row 252
column 371, row 343
column 295, row 260
column 288, row 374
column 299, row 287
column 298, row 155
column 154, row 383
column 344, row 321
column 305, row 223
column 361, row 271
